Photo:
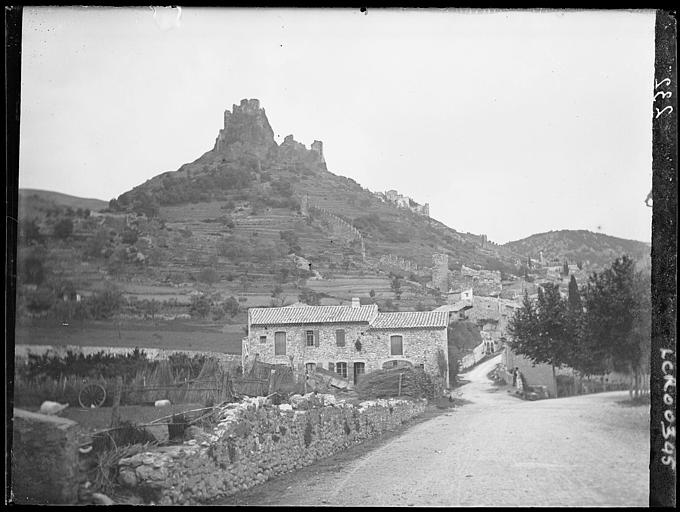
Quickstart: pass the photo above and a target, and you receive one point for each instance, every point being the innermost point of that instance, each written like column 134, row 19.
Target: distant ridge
column 61, row 199
column 579, row 245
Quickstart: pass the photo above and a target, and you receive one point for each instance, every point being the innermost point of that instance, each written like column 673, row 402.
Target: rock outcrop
column 246, row 126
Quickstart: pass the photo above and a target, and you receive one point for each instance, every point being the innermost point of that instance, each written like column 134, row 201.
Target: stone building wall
column 419, row 346
column 254, row 442
column 44, row 459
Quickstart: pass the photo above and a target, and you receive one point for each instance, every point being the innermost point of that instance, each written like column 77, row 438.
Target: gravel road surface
column 496, row 450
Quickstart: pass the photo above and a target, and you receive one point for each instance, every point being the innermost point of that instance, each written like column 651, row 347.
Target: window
column 396, row 346
column 310, row 367
column 359, row 370
column 340, row 337
column 280, row 343
column 312, row 338
column 331, row 367
column 341, row 368
column 263, row 339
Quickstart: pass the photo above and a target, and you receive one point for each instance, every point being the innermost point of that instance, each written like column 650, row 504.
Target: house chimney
column 356, row 303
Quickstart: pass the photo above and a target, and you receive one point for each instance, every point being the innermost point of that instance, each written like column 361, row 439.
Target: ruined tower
column 440, row 272
column 246, row 124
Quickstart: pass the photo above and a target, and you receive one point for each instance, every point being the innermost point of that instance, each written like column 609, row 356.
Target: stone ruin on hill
column 247, row 129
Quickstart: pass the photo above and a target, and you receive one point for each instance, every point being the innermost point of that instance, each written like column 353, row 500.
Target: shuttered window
column 396, row 346
column 312, row 338
column 340, row 337
column 280, row 343
column 331, row 367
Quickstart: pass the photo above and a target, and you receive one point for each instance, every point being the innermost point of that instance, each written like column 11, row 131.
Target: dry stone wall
column 256, row 441
column 44, row 459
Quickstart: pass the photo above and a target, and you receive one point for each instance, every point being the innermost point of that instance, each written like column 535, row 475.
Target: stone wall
column 44, row 459
column 419, row 346
column 256, row 441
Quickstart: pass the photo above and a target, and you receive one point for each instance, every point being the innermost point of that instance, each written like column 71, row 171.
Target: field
column 172, row 335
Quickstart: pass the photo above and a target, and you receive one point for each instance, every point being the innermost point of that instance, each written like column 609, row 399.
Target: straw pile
column 415, row 383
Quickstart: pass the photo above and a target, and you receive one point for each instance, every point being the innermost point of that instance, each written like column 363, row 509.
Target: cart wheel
column 92, row 395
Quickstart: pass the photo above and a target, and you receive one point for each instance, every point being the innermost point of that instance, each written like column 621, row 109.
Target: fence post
column 115, row 412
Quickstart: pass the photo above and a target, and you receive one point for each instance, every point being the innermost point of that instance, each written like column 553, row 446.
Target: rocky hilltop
column 246, row 164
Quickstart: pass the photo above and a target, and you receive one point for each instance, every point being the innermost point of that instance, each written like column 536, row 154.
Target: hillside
column 595, row 250
column 263, row 186
column 251, row 223
column 33, row 202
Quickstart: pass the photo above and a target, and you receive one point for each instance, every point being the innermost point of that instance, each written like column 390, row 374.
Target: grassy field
column 173, row 335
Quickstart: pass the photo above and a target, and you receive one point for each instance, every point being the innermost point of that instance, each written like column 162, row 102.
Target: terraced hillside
column 596, row 250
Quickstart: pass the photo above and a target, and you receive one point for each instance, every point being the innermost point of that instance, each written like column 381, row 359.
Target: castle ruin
column 440, row 272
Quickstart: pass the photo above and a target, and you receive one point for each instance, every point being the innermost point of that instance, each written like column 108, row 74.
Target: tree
column 129, row 236
column 310, row 297
column 63, row 228
column 105, row 304
column 231, row 307
column 32, row 268
column 395, row 284
column 96, row 244
column 30, row 232
column 617, row 318
column 200, row 306
column 565, row 269
column 277, row 295
column 574, row 298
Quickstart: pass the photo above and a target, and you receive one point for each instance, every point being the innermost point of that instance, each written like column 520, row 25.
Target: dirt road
column 496, row 450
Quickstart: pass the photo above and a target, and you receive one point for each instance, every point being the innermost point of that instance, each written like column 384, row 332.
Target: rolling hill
column 34, row 202
column 596, row 250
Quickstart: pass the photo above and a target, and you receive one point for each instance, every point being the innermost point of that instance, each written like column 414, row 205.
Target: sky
column 508, row 123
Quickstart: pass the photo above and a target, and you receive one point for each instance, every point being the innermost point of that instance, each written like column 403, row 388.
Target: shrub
column 105, row 304
column 63, row 228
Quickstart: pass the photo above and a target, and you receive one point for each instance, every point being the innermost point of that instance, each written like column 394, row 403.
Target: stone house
column 349, row 340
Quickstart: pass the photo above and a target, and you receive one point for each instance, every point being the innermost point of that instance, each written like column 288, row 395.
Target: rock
column 127, row 478
column 101, row 499
column 52, row 408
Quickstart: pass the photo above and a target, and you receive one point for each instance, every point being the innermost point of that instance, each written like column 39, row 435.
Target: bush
column 208, row 275
column 104, row 305
column 63, row 229
column 200, row 306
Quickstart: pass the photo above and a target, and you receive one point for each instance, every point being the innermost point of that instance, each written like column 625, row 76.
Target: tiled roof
column 411, row 319
column 458, row 306
column 311, row 315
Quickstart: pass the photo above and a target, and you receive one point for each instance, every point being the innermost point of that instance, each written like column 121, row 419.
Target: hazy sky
column 508, row 123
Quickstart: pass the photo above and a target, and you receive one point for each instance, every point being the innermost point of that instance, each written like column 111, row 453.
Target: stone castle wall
column 339, row 226
column 256, row 441
column 399, row 262
column 440, row 272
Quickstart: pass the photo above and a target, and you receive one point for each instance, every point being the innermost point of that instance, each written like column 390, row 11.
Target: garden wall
column 44, row 459
column 255, row 441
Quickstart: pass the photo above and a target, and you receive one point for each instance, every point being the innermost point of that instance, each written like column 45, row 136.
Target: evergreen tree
column 574, row 298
